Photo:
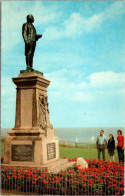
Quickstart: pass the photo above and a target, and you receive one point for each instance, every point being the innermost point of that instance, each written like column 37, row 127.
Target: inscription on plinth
column 51, row 151
column 22, row 152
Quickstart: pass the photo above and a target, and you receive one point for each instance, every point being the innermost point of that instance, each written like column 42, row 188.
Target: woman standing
column 120, row 146
column 111, row 146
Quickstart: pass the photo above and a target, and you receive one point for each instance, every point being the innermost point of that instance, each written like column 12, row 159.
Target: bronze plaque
column 51, row 151
column 22, row 152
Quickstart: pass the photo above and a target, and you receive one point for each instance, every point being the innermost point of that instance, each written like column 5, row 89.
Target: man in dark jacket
column 30, row 37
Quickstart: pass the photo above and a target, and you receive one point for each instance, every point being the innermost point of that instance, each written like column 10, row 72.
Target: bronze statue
column 30, row 37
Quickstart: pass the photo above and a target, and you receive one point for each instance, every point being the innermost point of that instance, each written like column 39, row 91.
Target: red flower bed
column 100, row 178
column 108, row 174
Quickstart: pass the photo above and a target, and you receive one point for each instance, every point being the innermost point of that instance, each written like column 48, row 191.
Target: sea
column 80, row 134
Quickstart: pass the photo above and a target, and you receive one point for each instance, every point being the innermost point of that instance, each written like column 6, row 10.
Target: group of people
column 102, row 144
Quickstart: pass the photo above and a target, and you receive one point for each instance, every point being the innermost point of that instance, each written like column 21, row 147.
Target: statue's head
column 30, row 18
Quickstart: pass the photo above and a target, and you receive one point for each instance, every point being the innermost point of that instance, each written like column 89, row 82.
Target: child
column 111, row 146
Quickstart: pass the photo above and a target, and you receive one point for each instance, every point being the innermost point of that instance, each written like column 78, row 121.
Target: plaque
column 22, row 152
column 51, row 151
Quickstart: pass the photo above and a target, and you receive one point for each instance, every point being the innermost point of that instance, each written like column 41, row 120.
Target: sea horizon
column 80, row 134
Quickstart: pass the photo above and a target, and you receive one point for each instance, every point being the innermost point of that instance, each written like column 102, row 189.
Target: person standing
column 120, row 146
column 111, row 146
column 101, row 144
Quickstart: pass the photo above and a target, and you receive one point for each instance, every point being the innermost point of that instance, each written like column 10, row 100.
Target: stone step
column 55, row 166
column 56, row 163
column 62, row 167
column 52, row 164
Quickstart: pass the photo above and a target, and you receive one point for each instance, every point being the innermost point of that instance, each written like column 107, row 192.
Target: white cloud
column 64, row 84
column 93, row 22
column 107, row 79
column 14, row 15
column 74, row 86
column 11, row 25
column 65, row 79
column 115, row 10
column 77, row 24
column 74, row 25
column 46, row 61
column 86, row 89
column 45, row 14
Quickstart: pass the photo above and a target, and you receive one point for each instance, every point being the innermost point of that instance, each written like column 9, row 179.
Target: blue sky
column 82, row 53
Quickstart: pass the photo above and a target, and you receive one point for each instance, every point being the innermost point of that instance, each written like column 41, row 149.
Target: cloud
column 77, row 24
column 115, row 10
column 71, row 60
column 71, row 87
column 64, row 84
column 88, row 89
column 74, row 25
column 93, row 22
column 74, row 85
column 55, row 60
column 14, row 15
column 106, row 79
column 45, row 14
column 65, row 79
column 11, row 25
column 49, row 19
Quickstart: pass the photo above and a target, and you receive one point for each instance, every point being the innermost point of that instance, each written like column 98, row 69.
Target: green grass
column 86, row 153
column 72, row 152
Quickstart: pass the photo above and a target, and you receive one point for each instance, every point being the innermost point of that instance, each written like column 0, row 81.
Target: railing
column 78, row 144
column 88, row 145
column 85, row 145
column 71, row 182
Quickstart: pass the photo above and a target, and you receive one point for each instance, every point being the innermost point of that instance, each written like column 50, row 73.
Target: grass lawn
column 72, row 152
column 86, row 153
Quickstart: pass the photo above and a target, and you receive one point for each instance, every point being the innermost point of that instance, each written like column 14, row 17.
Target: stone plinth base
column 31, row 150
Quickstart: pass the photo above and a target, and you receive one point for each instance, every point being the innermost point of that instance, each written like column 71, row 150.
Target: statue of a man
column 30, row 37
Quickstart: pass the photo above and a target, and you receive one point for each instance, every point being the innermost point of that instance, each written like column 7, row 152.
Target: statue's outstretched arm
column 38, row 36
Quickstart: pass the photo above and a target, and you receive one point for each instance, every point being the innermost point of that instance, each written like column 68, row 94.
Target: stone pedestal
column 32, row 141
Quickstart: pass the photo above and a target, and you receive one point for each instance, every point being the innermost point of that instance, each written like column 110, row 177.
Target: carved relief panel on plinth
column 43, row 121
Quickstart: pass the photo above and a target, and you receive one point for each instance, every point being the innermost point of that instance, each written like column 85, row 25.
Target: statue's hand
column 38, row 36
